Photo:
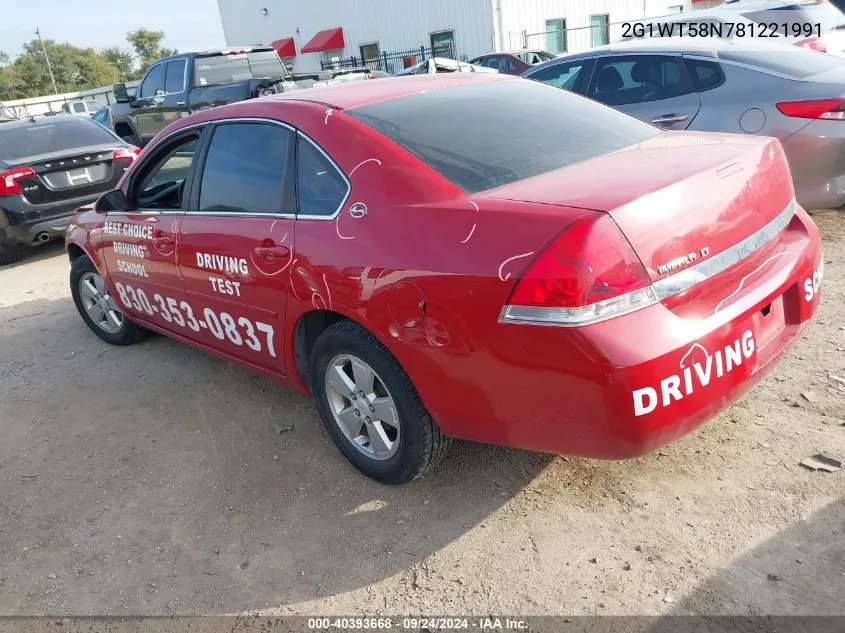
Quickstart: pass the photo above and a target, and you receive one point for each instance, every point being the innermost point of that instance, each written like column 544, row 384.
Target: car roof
column 359, row 93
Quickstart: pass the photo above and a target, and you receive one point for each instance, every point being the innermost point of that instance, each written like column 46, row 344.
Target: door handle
column 164, row 240
column 180, row 103
column 669, row 118
column 272, row 252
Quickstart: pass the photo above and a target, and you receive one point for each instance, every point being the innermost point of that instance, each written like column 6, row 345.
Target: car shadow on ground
column 129, row 474
column 38, row 253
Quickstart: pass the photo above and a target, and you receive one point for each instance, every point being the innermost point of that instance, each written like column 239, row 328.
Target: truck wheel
column 370, row 407
column 10, row 253
column 97, row 308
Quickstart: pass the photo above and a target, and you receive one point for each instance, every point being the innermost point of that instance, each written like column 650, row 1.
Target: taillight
column 589, row 273
column 814, row 43
column 9, row 180
column 130, row 152
column 833, row 109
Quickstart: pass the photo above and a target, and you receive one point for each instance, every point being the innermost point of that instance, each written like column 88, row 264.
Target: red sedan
column 430, row 262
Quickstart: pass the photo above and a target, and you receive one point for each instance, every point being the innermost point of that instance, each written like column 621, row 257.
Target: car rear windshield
column 793, row 61
column 484, row 135
column 225, row 68
column 52, row 135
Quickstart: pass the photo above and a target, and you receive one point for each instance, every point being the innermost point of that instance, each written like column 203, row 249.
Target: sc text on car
column 429, row 263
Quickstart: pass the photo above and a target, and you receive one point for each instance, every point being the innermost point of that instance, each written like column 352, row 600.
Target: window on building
column 599, row 29
column 556, row 36
column 678, row 8
column 443, row 44
column 371, row 56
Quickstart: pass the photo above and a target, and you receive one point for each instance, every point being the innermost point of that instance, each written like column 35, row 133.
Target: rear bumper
column 27, row 221
column 624, row 387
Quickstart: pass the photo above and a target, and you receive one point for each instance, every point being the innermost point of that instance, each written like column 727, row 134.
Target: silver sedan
column 792, row 93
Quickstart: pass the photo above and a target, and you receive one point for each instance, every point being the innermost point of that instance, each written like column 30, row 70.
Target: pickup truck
column 176, row 86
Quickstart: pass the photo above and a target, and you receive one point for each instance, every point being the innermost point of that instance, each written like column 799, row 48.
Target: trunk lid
column 69, row 175
column 679, row 197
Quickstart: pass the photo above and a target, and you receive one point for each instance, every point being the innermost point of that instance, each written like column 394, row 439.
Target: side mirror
column 121, row 94
column 112, row 201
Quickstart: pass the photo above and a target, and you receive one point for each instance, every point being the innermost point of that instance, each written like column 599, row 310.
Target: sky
column 189, row 25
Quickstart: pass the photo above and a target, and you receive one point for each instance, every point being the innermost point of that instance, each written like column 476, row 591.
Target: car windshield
column 226, row 68
column 53, row 136
column 484, row 135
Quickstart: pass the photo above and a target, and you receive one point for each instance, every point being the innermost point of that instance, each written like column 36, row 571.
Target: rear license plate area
column 769, row 322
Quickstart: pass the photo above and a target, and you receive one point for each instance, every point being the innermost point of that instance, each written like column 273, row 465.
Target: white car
column 813, row 24
column 443, row 65
column 85, row 108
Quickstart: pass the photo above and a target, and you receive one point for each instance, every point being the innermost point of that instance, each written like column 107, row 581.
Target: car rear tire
column 10, row 253
column 97, row 308
column 371, row 409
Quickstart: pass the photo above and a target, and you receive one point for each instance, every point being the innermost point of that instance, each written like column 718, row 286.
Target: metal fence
column 394, row 61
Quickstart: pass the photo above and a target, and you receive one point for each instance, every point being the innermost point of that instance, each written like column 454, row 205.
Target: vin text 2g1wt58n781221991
column 429, row 263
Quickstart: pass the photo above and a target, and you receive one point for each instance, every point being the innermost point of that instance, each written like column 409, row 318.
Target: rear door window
column 487, row 134
column 321, row 187
column 175, row 76
column 227, row 68
column 626, row 79
column 705, row 75
column 247, row 170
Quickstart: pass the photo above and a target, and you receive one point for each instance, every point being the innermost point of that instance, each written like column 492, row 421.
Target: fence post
column 384, row 55
column 422, row 53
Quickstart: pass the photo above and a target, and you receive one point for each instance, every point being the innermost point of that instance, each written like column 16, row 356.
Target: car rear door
column 236, row 241
column 654, row 88
column 138, row 244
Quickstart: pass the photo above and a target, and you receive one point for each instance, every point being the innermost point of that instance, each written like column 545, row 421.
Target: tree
column 74, row 68
column 122, row 60
column 147, row 45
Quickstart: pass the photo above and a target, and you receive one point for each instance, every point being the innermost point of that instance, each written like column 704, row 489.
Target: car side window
column 162, row 177
column 626, row 79
column 321, row 187
column 174, row 79
column 705, row 75
column 561, row 75
column 153, row 82
column 247, row 170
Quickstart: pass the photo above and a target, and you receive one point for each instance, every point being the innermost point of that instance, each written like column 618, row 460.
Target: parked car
column 434, row 65
column 813, row 24
column 87, row 108
column 580, row 282
column 49, row 167
column 513, row 62
column 103, row 117
column 739, row 86
column 176, row 86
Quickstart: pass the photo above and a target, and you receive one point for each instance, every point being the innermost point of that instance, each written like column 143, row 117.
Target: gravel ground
column 152, row 480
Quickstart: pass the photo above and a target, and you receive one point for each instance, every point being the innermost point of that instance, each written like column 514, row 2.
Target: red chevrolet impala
column 463, row 256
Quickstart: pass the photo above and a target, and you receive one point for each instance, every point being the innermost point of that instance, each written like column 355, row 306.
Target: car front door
column 138, row 244
column 237, row 238
column 654, row 88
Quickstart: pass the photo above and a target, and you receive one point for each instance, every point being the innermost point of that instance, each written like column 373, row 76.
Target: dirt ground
column 151, row 480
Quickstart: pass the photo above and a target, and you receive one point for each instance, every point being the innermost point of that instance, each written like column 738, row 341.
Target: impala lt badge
column 684, row 260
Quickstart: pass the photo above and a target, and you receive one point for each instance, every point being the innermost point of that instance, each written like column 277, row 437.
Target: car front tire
column 371, row 409
column 10, row 253
column 97, row 308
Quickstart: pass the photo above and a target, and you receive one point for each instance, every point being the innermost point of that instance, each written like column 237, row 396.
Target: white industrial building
column 308, row 32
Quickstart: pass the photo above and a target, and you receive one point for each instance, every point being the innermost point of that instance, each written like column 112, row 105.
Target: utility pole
column 47, row 58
